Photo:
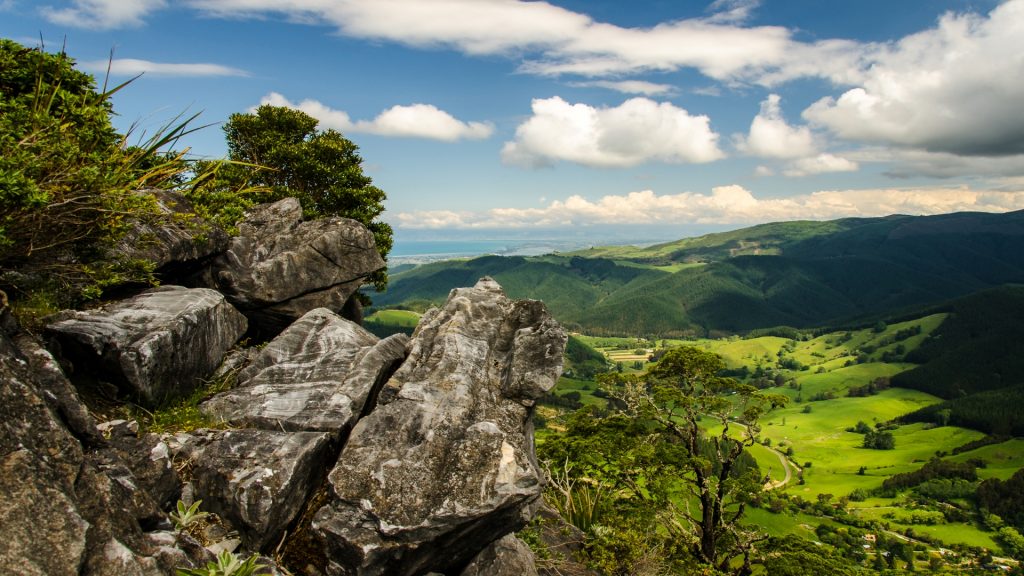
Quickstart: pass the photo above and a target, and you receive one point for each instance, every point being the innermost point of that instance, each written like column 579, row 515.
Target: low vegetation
column 926, row 485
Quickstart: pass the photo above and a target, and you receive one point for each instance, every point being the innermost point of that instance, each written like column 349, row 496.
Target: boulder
column 176, row 242
column 444, row 465
column 280, row 267
column 155, row 346
column 257, row 480
column 506, row 556
column 316, row 375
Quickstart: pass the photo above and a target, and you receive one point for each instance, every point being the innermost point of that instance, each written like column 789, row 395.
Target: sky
column 598, row 119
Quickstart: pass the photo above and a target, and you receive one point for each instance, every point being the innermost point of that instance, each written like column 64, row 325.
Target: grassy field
column 403, row 318
column 814, row 423
column 1001, row 460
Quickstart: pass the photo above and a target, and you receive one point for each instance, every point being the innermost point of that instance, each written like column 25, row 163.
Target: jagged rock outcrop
column 316, row 375
column 280, row 267
column 155, row 346
column 257, row 479
column 396, row 456
column 175, row 243
column 70, row 505
column 444, row 465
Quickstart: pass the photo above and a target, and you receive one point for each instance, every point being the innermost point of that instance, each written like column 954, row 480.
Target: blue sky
column 589, row 118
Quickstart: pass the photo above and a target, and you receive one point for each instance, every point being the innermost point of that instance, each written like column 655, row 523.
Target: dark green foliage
column 980, row 442
column 979, row 347
column 280, row 151
column 946, row 489
column 933, row 469
column 879, row 440
column 869, row 389
column 1004, row 499
column 999, row 412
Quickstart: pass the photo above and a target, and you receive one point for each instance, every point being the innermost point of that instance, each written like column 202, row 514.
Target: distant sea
column 423, row 251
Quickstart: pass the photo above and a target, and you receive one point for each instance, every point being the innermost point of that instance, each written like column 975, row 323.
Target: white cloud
column 905, row 163
column 414, row 121
column 630, row 86
column 763, row 171
column 732, row 10
column 820, row 164
column 724, row 205
column 553, row 40
column 771, row 137
column 102, row 14
column 637, row 131
column 956, row 88
column 133, row 67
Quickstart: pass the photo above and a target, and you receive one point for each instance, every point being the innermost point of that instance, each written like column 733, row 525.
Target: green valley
column 841, row 383
column 799, row 274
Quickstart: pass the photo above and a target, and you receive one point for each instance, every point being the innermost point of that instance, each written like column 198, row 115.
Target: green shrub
column 68, row 180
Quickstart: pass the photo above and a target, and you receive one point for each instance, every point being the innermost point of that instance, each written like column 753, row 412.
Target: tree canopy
column 658, row 473
column 280, row 152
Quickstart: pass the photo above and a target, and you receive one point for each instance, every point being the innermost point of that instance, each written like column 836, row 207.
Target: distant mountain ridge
column 802, row 274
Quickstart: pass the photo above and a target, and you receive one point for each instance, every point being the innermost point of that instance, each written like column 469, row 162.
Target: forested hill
column 802, row 274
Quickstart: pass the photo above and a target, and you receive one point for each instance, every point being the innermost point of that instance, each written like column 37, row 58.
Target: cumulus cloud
column 820, row 164
column 771, row 137
column 956, row 88
column 724, row 205
column 630, row 86
column 414, row 121
column 102, row 14
column 637, row 131
column 134, row 67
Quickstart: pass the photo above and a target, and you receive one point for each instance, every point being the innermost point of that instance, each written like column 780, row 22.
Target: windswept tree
column 680, row 391
column 671, row 462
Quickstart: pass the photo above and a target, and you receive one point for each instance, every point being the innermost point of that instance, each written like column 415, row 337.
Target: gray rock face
column 70, row 505
column 155, row 346
column 44, row 533
column 179, row 240
column 316, row 375
column 507, row 556
column 256, row 479
column 444, row 465
column 279, row 267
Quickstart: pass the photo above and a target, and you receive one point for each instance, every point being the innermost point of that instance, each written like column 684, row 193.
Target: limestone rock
column 155, row 346
column 316, row 375
column 444, row 464
column 151, row 464
column 279, row 267
column 69, row 507
column 507, row 556
column 43, row 532
column 175, row 243
column 258, row 480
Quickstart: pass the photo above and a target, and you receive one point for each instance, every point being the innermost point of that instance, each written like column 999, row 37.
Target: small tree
column 675, row 394
column 280, row 150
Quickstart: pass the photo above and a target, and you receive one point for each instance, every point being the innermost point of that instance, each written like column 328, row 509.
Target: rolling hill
column 801, row 274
